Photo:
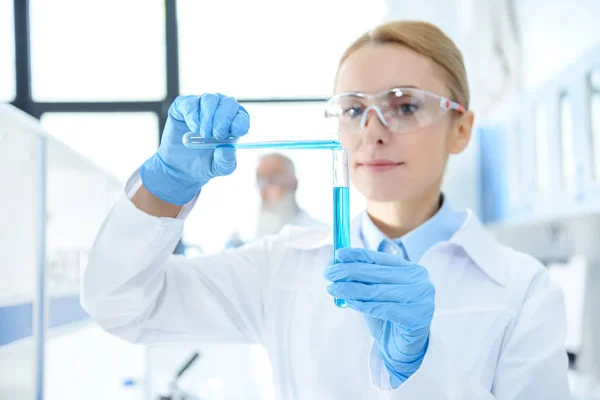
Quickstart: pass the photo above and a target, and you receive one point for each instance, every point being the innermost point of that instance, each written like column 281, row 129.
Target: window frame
column 24, row 101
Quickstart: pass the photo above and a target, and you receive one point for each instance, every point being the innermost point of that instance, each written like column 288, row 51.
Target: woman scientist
column 438, row 309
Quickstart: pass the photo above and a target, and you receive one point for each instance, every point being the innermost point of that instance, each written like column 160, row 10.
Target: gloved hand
column 176, row 173
column 397, row 300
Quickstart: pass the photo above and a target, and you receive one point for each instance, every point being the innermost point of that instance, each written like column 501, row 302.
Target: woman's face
column 396, row 166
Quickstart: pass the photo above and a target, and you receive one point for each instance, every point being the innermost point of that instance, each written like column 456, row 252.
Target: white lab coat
column 498, row 331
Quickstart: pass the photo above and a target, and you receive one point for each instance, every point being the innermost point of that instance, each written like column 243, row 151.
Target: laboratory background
column 85, row 87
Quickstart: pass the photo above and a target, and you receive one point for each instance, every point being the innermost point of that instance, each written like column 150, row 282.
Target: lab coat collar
column 471, row 237
column 481, row 247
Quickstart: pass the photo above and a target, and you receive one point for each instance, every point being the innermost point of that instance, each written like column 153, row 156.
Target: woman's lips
column 379, row 165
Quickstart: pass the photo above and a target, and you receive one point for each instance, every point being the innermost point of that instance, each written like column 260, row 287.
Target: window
column 97, row 51
column 541, row 148
column 7, row 49
column 566, row 137
column 594, row 80
column 289, row 119
column 300, row 45
column 117, row 142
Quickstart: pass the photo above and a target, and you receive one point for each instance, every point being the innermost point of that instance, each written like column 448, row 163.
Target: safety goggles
column 399, row 109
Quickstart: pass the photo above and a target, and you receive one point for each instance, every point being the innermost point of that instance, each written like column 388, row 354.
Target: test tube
column 326, row 142
column 341, row 206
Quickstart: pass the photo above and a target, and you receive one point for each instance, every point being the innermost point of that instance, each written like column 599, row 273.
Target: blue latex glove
column 397, row 300
column 176, row 173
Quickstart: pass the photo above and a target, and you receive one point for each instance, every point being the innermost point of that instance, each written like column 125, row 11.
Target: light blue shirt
column 439, row 228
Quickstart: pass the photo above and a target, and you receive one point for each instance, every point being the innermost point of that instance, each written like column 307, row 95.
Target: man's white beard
column 273, row 217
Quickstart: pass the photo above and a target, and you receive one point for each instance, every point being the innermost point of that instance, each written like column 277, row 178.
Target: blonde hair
column 428, row 40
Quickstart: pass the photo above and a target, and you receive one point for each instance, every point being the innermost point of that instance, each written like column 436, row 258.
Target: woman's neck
column 395, row 219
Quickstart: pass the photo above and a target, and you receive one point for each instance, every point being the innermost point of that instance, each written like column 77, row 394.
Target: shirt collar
column 439, row 228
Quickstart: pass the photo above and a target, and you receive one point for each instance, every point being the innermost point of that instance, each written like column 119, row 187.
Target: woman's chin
column 389, row 192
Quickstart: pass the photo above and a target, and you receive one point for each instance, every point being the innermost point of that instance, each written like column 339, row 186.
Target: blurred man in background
column 277, row 184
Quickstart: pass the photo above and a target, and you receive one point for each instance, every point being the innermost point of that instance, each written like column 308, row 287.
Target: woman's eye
column 353, row 112
column 408, row 108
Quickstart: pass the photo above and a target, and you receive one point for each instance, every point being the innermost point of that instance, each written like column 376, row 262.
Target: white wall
column 554, row 33
column 444, row 14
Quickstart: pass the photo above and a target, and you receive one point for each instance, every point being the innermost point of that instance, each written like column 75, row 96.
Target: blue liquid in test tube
column 341, row 206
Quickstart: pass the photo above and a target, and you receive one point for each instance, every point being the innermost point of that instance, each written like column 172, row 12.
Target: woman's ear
column 461, row 133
